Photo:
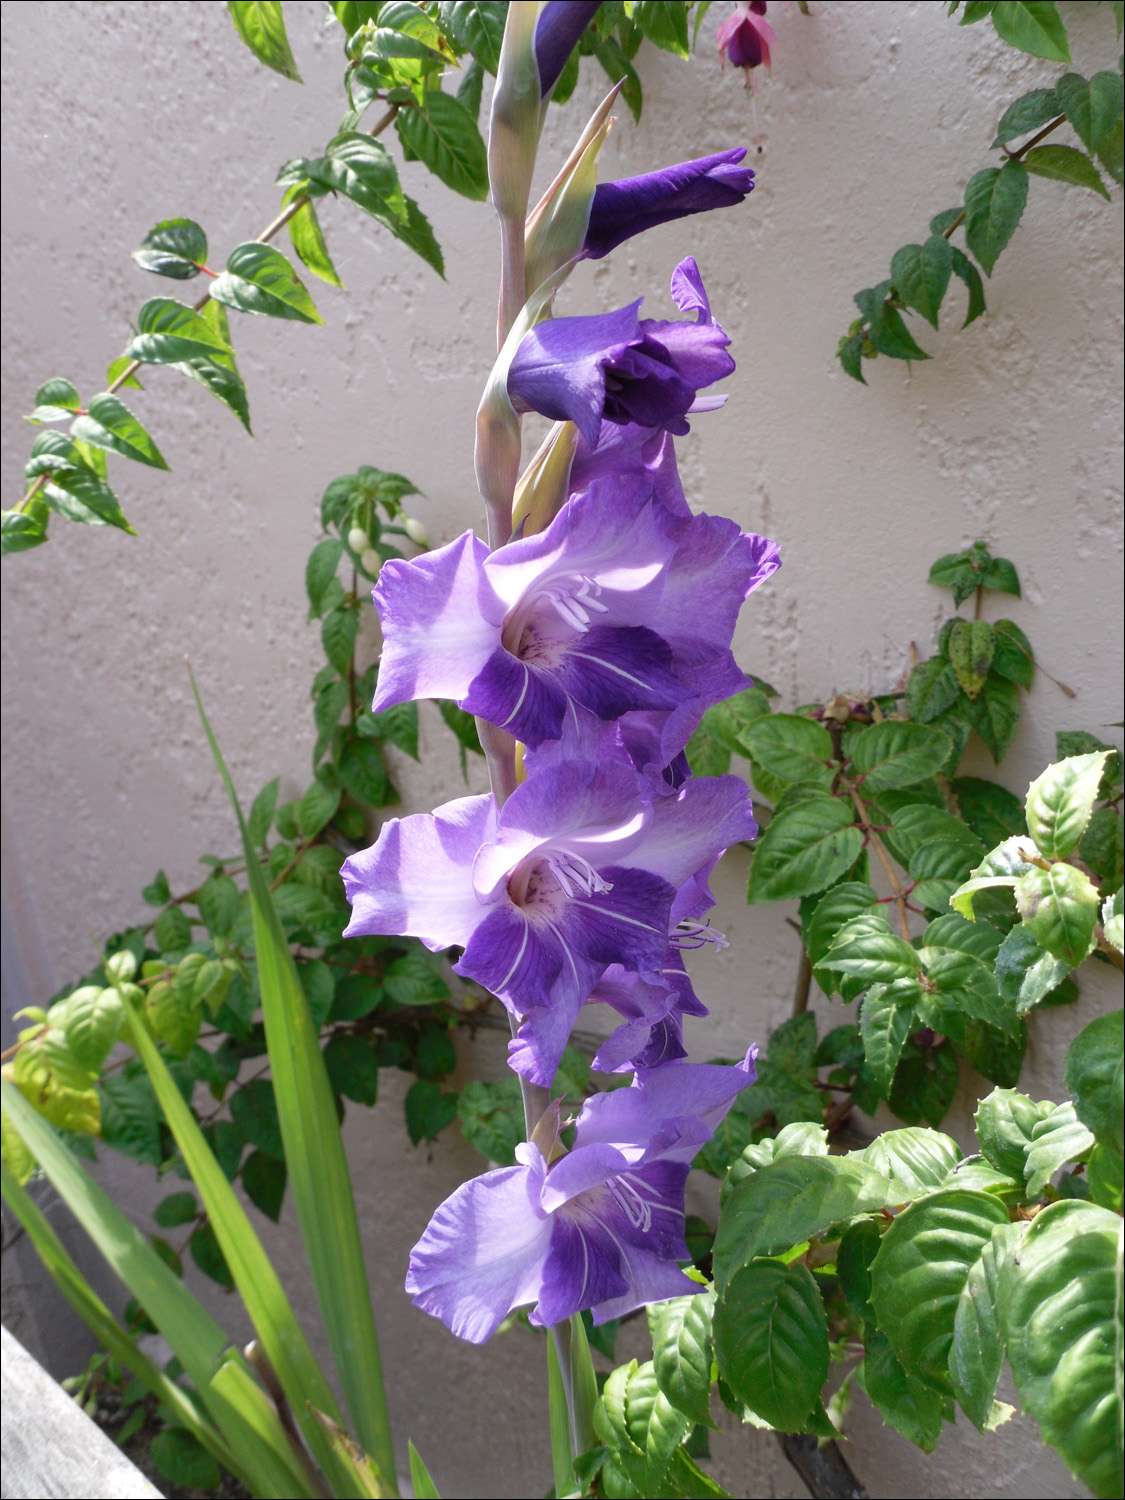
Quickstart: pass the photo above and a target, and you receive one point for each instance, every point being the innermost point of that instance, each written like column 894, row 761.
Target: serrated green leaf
column 1062, row 1321
column 258, row 279
column 771, row 1341
column 968, row 273
column 219, row 900
column 175, row 248
column 1058, row 1138
column 790, row 746
column 478, row 27
column 1061, row 801
column 897, row 754
column 886, row 1020
column 804, row 849
column 261, row 25
column 921, row 273
column 920, row 1270
column 443, row 134
column 857, row 1250
column 172, row 930
column 170, row 332
column 994, row 714
column 970, row 647
column 664, row 23
column 261, row 812
column 994, row 204
column 1095, row 1076
column 491, row 1118
column 397, row 725
column 932, row 688
column 789, row 1201
column 413, row 980
column 866, row 947
column 112, row 426
column 1028, row 113
column 337, row 634
column 1005, row 1122
column 1025, row 972
column 363, row 772
column 131, row 1119
column 1033, row 26
column 1111, row 153
column 58, row 393
column 843, row 902
column 891, row 337
column 19, row 532
column 1093, row 107
column 1060, row 907
column 1065, row 164
column 1105, row 1175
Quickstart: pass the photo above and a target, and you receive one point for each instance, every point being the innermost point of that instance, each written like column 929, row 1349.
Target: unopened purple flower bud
column 557, row 31
column 622, row 209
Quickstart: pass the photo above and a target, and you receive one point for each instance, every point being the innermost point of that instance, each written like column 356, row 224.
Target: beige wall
column 119, row 114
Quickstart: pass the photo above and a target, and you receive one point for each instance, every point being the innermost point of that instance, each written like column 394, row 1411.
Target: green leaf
column 253, row 1108
column 664, row 23
column 771, row 1341
column 413, row 980
column 920, row 1270
column 397, row 725
column 307, row 238
column 1094, row 1076
column 364, row 772
column 920, row 274
column 1062, row 1320
column 1061, row 800
column 1111, row 152
column 792, row 747
column 261, row 25
column 1025, row 972
column 264, row 1179
column 964, row 269
column 897, row 754
column 478, row 27
column 92, row 1023
column 20, row 532
column 58, row 394
column 176, row 1209
column 491, row 1118
column 1065, row 164
column 994, row 714
column 1105, row 1174
column 183, row 1460
column 1033, row 26
column 994, row 204
column 1006, row 1122
column 867, row 948
column 1056, row 1139
column 175, row 248
column 990, row 810
column 853, row 898
column 337, row 635
column 353, row 1069
column 932, row 688
column 131, row 1119
column 1093, row 107
column 316, row 808
column 169, row 332
column 888, row 1017
column 850, row 355
column 681, row 1352
column 1012, row 655
column 443, row 134
column 258, row 279
column 428, row 1110
column 261, row 812
column 360, row 168
column 804, row 849
column 977, row 1353
column 789, row 1201
column 1060, row 906
column 857, row 1249
column 918, row 1158
column 1027, row 114
column 1103, row 848
column 904, row 1402
column 970, row 647
column 112, row 426
column 891, row 337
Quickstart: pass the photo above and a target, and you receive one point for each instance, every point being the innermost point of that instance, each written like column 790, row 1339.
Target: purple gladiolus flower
column 619, row 605
column 601, row 1227
column 621, row 209
column 557, row 31
column 578, row 871
column 621, row 368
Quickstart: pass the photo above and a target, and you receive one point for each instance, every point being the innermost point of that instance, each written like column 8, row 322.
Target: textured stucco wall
column 117, row 115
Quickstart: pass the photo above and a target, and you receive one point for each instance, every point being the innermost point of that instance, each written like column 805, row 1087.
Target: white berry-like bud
column 416, row 531
column 371, row 560
column 358, row 540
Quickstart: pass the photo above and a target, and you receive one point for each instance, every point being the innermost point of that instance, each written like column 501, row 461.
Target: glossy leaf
column 91, row 1025
column 175, row 248
column 994, row 204
column 1058, row 1138
column 919, row 1158
column 1062, row 1318
column 664, row 23
column 920, row 1270
column 19, row 532
column 307, row 239
column 682, row 1350
column 169, row 332
column 888, row 1017
column 1006, row 1122
column 913, row 1409
column 897, row 754
column 1025, row 972
column 790, row 746
column 261, row 25
column 771, row 1341
column 112, row 426
column 443, row 134
column 1033, row 26
column 867, row 948
column 1095, row 1076
column 804, row 850
column 968, row 273
column 1061, row 801
column 977, row 1353
column 1060, row 907
column 258, row 279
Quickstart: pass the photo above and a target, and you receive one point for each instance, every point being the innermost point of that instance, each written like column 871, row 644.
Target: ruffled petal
column 687, row 830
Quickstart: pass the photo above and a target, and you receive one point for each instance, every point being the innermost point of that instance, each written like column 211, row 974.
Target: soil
column 111, row 1416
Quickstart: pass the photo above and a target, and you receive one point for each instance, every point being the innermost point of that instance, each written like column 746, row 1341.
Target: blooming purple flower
column 600, row 1227
column 560, row 24
column 621, row 209
column 566, row 619
column 746, row 37
column 579, row 870
column 621, row 368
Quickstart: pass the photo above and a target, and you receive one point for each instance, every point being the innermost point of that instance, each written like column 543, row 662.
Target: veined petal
column 483, row 1252
column 687, row 830
column 512, row 695
column 581, row 1269
column 625, row 448
column 614, row 668
column 416, row 879
column 661, row 1115
column 440, row 620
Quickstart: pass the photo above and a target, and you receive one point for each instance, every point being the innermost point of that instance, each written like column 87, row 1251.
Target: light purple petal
column 417, row 877
column 625, row 448
column 440, row 622
column 483, row 1252
column 688, row 830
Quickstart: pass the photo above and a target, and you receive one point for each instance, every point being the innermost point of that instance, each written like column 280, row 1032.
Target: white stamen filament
column 576, row 875
column 636, row 1209
column 697, row 935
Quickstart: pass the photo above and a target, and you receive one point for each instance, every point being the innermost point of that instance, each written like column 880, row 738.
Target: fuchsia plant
column 596, row 634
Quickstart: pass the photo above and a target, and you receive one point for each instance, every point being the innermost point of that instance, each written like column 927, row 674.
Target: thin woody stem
column 1012, row 156
column 888, row 869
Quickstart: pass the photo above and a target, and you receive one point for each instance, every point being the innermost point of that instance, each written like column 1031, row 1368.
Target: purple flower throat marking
column 532, row 631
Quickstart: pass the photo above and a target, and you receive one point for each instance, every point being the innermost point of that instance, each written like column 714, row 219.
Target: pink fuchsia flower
column 746, row 37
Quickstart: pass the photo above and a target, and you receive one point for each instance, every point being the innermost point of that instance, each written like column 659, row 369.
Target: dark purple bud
column 745, row 48
column 622, row 209
column 556, row 33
